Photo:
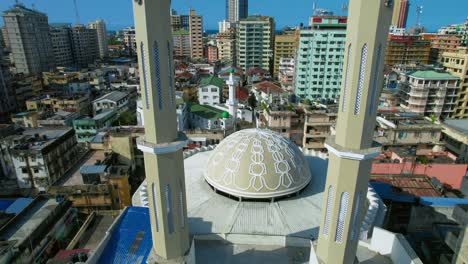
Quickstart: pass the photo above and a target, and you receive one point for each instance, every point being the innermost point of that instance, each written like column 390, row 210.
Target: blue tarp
column 93, row 169
column 5, row 203
column 123, row 246
column 17, row 206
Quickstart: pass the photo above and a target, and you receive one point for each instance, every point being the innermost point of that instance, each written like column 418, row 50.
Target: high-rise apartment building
column 400, row 13
column 129, row 40
column 196, row 34
column 61, row 44
column 211, row 53
column 236, row 10
column 460, row 30
column 443, row 43
column 224, row 26
column 428, row 92
column 100, row 27
column 7, row 94
column 285, row 47
column 255, row 39
column 456, row 63
column 320, row 57
column 181, row 39
column 179, row 22
column 29, row 39
column 226, row 43
column 84, row 45
column 407, row 49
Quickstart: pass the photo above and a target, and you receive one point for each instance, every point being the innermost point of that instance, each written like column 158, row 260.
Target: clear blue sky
column 118, row 13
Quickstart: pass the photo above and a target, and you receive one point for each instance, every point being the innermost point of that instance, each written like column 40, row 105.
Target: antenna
column 314, row 7
column 77, row 15
column 419, row 10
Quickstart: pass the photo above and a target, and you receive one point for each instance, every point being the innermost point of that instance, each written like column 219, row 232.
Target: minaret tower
column 232, row 102
column 352, row 150
column 162, row 144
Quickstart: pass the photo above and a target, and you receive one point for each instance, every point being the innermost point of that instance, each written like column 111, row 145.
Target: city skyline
column 120, row 17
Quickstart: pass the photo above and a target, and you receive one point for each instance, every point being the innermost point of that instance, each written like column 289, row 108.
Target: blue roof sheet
column 5, row 203
column 93, row 169
column 385, row 191
column 130, row 240
column 18, row 205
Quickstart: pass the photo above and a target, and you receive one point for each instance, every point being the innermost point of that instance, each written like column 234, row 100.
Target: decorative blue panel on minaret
column 362, row 74
column 170, row 217
column 145, row 81
column 157, row 71
column 169, row 65
column 376, row 78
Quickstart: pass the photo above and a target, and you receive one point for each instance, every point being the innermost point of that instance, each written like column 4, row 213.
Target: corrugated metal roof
column 130, row 240
column 93, row 169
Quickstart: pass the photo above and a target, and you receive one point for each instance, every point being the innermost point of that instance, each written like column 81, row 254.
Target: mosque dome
column 258, row 164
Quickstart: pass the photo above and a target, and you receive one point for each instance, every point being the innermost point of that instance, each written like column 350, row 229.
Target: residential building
column 116, row 100
column 429, row 92
column 286, row 45
column 456, row 63
column 412, row 132
column 320, row 58
column 39, row 157
column 129, row 40
column 287, row 122
column 211, row 53
column 100, row 27
column 455, row 136
column 7, row 94
column 318, row 126
column 255, row 40
column 29, row 39
column 407, row 49
column 226, row 43
column 456, row 29
column 236, row 10
column 86, row 128
column 26, row 87
column 56, row 103
column 182, row 47
column 84, row 45
column 224, row 26
column 179, row 22
column 400, row 13
column 196, row 34
column 36, row 119
column 61, row 44
column 269, row 93
column 210, row 91
column 286, row 73
column 443, row 43
column 206, row 117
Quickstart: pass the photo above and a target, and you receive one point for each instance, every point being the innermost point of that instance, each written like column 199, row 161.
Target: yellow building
column 69, row 103
column 407, row 50
column 456, row 63
column 285, row 47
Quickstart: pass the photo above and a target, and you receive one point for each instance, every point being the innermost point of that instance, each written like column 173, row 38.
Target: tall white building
column 129, row 40
column 100, row 27
column 29, row 39
column 236, row 10
column 224, row 26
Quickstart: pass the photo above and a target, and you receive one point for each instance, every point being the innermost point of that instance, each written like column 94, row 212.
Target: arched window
column 182, row 204
column 357, row 210
column 170, row 71
column 340, row 226
column 362, row 74
column 375, row 82
column 155, row 204
column 346, row 80
column 157, row 71
column 328, row 212
column 145, row 81
column 170, row 218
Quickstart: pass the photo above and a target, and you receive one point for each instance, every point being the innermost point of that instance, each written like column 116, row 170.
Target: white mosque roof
column 257, row 163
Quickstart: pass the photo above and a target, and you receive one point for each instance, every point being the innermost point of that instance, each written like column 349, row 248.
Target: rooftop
column 36, row 138
column 212, row 80
column 268, row 87
column 432, row 75
column 461, row 125
column 112, row 96
column 206, row 111
column 73, row 176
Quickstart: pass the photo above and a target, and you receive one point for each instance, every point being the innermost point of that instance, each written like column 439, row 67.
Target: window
column 345, row 90
column 145, row 82
column 170, row 71
column 341, row 217
column 24, row 170
column 328, row 213
column 157, row 71
column 170, row 219
column 357, row 211
column 182, row 204
column 155, row 204
column 362, row 73
column 36, row 170
column 376, row 78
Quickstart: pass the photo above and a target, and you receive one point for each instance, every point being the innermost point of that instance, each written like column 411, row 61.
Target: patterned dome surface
column 257, row 163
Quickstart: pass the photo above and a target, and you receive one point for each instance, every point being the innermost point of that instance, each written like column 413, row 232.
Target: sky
column 118, row 13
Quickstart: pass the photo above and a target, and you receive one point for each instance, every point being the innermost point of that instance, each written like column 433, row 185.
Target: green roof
column 213, row 80
column 206, row 111
column 181, row 32
column 432, row 75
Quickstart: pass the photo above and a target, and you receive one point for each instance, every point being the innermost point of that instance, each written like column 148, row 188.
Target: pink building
column 211, row 53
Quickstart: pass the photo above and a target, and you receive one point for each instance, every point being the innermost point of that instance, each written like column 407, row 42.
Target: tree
column 126, row 119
